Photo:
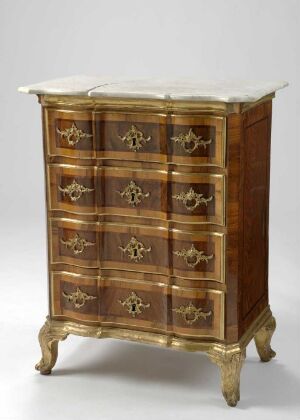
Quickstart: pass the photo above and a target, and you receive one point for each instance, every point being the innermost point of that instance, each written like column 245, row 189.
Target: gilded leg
column 230, row 363
column 49, row 338
column 263, row 338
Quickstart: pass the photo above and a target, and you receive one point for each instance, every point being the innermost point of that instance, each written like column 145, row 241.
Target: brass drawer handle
column 78, row 298
column 134, row 138
column 192, row 256
column 191, row 314
column 191, row 199
column 133, row 194
column 77, row 244
column 74, row 190
column 73, row 135
column 190, row 142
column 134, row 304
column 135, row 249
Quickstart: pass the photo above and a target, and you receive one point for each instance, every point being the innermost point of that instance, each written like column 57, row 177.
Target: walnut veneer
column 158, row 225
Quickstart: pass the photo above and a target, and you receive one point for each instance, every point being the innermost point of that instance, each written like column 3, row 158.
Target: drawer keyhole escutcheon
column 192, row 256
column 191, row 314
column 74, row 190
column 134, row 304
column 134, row 138
column 77, row 244
column 190, row 141
column 133, row 194
column 135, row 249
column 78, row 298
column 73, row 135
column 191, row 199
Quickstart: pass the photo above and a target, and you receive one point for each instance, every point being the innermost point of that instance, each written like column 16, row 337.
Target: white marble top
column 183, row 89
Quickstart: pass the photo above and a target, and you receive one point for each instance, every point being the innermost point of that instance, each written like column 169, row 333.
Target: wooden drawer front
column 155, row 250
column 69, row 133
column 187, row 198
column 145, row 250
column 139, row 305
column 197, row 140
column 196, row 198
column 72, row 189
column 131, row 136
column 75, row 296
column 198, row 255
column 198, row 312
column 74, row 243
column 135, row 304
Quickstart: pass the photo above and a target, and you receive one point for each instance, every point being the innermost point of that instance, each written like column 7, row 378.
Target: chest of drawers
column 157, row 204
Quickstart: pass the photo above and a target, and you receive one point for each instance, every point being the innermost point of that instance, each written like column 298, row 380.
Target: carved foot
column 230, row 363
column 49, row 338
column 263, row 338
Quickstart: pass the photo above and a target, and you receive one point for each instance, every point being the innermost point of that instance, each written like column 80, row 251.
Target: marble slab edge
column 188, row 90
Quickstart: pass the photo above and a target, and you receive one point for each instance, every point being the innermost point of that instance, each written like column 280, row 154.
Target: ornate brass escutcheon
column 192, row 256
column 78, row 298
column 133, row 194
column 77, row 244
column 191, row 314
column 135, row 249
column 73, row 135
column 134, row 139
column 191, row 199
column 190, row 142
column 74, row 190
column 134, row 304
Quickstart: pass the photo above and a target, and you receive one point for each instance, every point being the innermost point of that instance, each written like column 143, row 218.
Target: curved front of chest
column 138, row 305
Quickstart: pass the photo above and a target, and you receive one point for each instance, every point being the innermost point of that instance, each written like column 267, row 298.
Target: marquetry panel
column 174, row 196
column 197, row 140
column 198, row 312
column 136, row 304
column 74, row 243
column 184, row 198
column 72, row 188
column 131, row 136
column 69, row 133
column 75, row 296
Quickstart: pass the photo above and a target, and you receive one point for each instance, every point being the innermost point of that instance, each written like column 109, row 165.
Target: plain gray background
column 233, row 39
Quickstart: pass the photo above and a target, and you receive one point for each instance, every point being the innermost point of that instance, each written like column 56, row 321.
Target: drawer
column 180, row 197
column 198, row 312
column 139, row 305
column 178, row 139
column 133, row 136
column 69, row 133
column 186, row 198
column 72, row 189
column 155, row 250
column 74, row 243
column 197, row 140
column 196, row 256
column 75, row 296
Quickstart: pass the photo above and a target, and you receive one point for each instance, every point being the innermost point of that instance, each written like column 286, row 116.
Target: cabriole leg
column 230, row 364
column 49, row 338
column 263, row 339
